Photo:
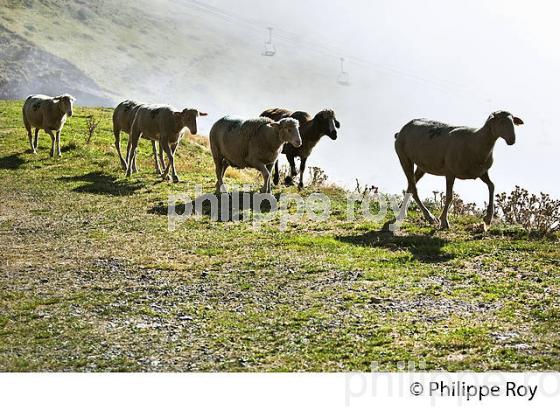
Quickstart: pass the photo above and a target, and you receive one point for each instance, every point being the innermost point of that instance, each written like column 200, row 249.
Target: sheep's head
column 187, row 118
column 65, row 102
column 288, row 131
column 502, row 124
column 327, row 123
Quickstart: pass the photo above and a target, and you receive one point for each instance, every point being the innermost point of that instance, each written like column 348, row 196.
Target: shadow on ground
column 11, row 161
column 424, row 248
column 68, row 147
column 226, row 207
column 103, row 184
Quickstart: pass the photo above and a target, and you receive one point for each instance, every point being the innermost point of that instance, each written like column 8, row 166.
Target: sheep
column 454, row 152
column 311, row 130
column 49, row 114
column 252, row 143
column 164, row 124
column 122, row 121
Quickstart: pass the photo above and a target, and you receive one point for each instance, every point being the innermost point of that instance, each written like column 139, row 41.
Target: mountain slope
column 27, row 69
column 164, row 51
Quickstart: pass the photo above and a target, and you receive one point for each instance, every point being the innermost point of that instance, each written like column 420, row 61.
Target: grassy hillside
column 91, row 279
column 168, row 52
column 27, row 69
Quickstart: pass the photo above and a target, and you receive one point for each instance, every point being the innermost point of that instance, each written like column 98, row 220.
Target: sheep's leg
column 448, row 197
column 131, row 152
column 128, row 155
column 161, row 156
column 289, row 180
column 418, row 174
column 30, row 138
column 301, row 171
column 135, row 154
column 28, row 129
column 53, row 139
column 165, row 174
column 427, row 214
column 269, row 168
column 156, row 160
column 266, row 177
column 117, row 134
column 490, row 211
column 58, row 143
column 171, row 161
column 36, row 141
column 408, row 168
column 276, row 177
column 219, row 163
column 225, row 166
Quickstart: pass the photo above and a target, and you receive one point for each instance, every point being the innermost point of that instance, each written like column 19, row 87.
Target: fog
column 446, row 60
column 450, row 61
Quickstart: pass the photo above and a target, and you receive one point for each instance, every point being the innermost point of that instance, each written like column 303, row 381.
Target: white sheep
column 122, row 121
column 49, row 114
column 164, row 124
column 254, row 143
column 454, row 152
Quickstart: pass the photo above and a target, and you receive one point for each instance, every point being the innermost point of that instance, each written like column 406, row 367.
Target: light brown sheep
column 122, row 121
column 49, row 114
column 164, row 124
column 253, row 143
column 454, row 152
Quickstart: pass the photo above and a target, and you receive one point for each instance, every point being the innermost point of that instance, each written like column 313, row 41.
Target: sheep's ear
column 202, row 114
column 336, row 124
column 518, row 121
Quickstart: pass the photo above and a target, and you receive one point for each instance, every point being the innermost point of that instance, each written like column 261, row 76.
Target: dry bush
column 366, row 189
column 92, row 123
column 458, row 207
column 538, row 214
column 318, row 176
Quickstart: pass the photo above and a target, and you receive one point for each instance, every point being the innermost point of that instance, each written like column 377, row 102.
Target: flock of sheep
column 423, row 146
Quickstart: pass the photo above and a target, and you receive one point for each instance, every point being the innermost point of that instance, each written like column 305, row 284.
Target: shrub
column 537, row 214
column 318, row 176
column 458, row 207
column 366, row 190
column 92, row 124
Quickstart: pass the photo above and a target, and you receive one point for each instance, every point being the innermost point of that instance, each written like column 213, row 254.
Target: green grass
column 92, row 280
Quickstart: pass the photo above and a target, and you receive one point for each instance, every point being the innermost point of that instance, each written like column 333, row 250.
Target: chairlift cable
column 288, row 39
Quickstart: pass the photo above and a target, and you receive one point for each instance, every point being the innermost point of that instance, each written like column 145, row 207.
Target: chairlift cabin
column 269, row 47
column 343, row 76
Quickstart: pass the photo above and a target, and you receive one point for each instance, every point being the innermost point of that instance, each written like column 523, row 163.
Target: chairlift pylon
column 343, row 76
column 269, row 47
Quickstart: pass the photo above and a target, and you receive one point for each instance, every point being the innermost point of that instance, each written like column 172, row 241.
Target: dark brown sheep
column 311, row 130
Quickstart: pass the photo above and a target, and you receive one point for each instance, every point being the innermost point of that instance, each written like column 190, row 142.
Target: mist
column 450, row 61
